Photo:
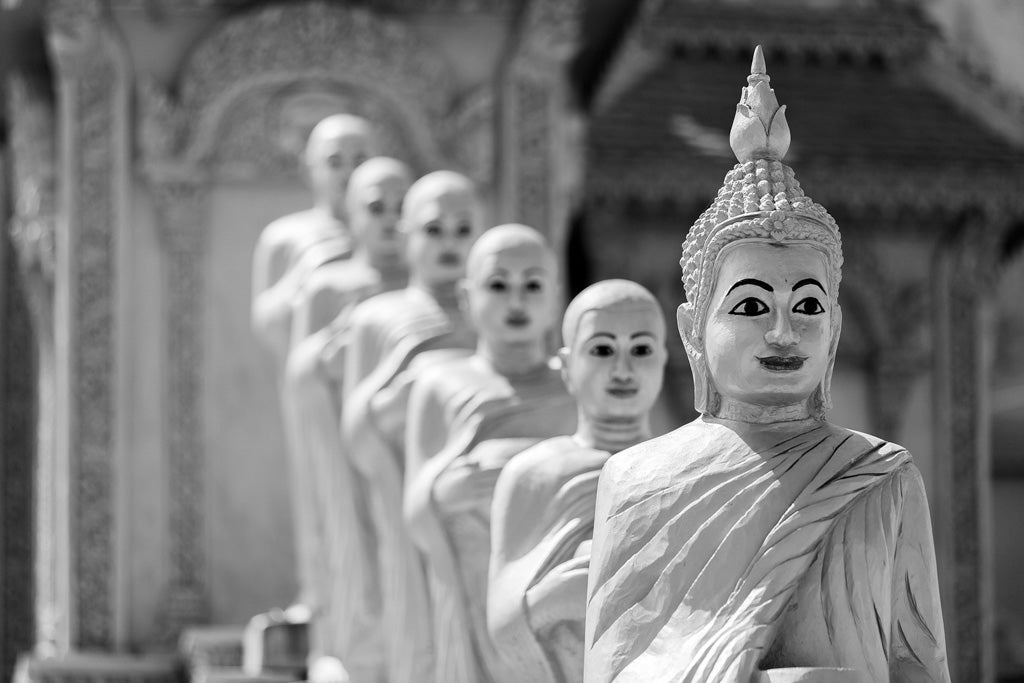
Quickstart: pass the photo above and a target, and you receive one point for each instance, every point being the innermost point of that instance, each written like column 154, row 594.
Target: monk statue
column 292, row 246
column 390, row 337
column 760, row 542
column 330, row 498
column 466, row 420
column 542, row 518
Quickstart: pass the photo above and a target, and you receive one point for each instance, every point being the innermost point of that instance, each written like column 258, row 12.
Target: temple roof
column 868, row 126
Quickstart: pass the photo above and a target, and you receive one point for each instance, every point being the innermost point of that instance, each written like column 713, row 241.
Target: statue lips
column 449, row 258
column 620, row 390
column 782, row 363
column 517, row 319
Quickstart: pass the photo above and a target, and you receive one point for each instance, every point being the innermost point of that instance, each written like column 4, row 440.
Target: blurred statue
column 292, row 246
column 543, row 511
column 466, row 420
column 390, row 336
column 332, row 503
column 760, row 542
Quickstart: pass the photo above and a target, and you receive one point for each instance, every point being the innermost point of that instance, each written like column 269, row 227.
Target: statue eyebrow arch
column 752, row 281
column 809, row 281
column 645, row 333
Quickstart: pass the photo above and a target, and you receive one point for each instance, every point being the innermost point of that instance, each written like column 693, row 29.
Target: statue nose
column 782, row 332
column 623, row 369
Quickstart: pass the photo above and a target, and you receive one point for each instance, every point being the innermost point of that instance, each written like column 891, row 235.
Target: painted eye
column 497, row 286
column 376, row 207
column 809, row 306
column 334, row 161
column 749, row 307
column 432, row 229
column 602, row 350
column 534, row 286
column 642, row 350
column 464, row 230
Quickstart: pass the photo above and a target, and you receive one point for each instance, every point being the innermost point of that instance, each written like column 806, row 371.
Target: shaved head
column 503, row 238
column 602, row 296
column 373, row 172
column 339, row 126
column 434, row 186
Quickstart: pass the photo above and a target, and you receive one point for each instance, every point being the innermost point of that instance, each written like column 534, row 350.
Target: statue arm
column 917, row 635
column 427, row 426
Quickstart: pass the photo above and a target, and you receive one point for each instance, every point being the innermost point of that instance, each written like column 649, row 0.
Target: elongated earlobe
column 563, row 362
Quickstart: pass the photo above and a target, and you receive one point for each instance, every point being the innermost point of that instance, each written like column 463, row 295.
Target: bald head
column 507, row 237
column 371, row 174
column 439, row 186
column 605, row 295
column 340, row 127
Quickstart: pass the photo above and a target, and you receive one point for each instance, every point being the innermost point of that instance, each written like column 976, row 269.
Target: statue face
column 513, row 294
column 440, row 233
column 768, row 329
column 331, row 162
column 374, row 216
column 617, row 361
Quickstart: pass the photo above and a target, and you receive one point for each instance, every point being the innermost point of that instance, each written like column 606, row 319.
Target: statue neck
column 741, row 411
column 328, row 208
column 391, row 268
column 442, row 292
column 612, row 434
column 513, row 359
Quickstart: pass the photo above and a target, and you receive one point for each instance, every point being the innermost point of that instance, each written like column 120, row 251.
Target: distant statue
column 543, row 511
column 760, row 542
column 333, row 500
column 292, row 246
column 466, row 420
column 390, row 336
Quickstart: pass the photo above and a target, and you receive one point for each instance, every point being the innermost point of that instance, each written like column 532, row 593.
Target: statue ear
column 563, row 362
column 462, row 294
column 684, row 321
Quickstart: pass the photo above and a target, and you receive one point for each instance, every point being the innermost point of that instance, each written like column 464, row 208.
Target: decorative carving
column 551, row 28
column 533, row 172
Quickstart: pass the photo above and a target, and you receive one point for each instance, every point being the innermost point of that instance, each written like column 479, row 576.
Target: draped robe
column 346, row 623
column 542, row 521
column 722, row 548
column 392, row 336
column 465, row 422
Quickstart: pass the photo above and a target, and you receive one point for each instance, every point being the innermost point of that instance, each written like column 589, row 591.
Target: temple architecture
column 145, row 144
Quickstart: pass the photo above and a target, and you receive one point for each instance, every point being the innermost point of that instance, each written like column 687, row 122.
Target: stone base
column 275, row 642
column 80, row 667
column 203, row 648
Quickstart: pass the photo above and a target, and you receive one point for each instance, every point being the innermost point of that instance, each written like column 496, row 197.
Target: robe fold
column 393, row 336
column 542, row 520
column 721, row 549
column 346, row 622
column 487, row 419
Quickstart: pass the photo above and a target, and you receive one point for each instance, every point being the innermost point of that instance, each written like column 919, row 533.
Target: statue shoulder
column 654, row 464
column 281, row 229
column 868, row 441
column 378, row 309
column 546, row 464
column 343, row 276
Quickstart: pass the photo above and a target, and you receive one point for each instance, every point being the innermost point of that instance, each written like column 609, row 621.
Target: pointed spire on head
column 759, row 129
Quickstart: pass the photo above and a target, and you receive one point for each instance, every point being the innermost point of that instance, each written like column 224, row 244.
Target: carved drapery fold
column 89, row 78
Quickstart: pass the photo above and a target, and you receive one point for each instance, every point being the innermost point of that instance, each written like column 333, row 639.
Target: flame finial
column 759, row 129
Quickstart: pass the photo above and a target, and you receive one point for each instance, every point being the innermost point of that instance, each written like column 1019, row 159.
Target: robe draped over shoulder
column 542, row 520
column 720, row 550
column 487, row 419
column 391, row 338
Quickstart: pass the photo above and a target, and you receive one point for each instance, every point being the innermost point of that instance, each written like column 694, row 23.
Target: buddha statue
column 542, row 517
column 292, row 246
column 390, row 336
column 760, row 542
column 466, row 419
column 330, row 507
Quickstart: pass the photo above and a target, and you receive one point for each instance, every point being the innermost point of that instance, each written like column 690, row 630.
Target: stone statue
column 346, row 622
column 466, row 420
column 759, row 542
column 543, row 511
column 292, row 246
column 390, row 337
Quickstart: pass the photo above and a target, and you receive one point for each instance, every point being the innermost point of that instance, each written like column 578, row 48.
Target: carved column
column 92, row 160
column 179, row 196
column 541, row 131
column 964, row 277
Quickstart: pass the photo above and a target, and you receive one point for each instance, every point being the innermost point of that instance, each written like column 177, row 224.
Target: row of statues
column 471, row 507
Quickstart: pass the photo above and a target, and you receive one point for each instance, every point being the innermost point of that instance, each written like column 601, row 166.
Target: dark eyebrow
column 751, row 281
column 809, row 281
column 602, row 334
column 641, row 334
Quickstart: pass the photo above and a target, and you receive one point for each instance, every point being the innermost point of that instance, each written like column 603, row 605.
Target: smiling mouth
column 449, row 259
column 782, row 363
column 623, row 392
